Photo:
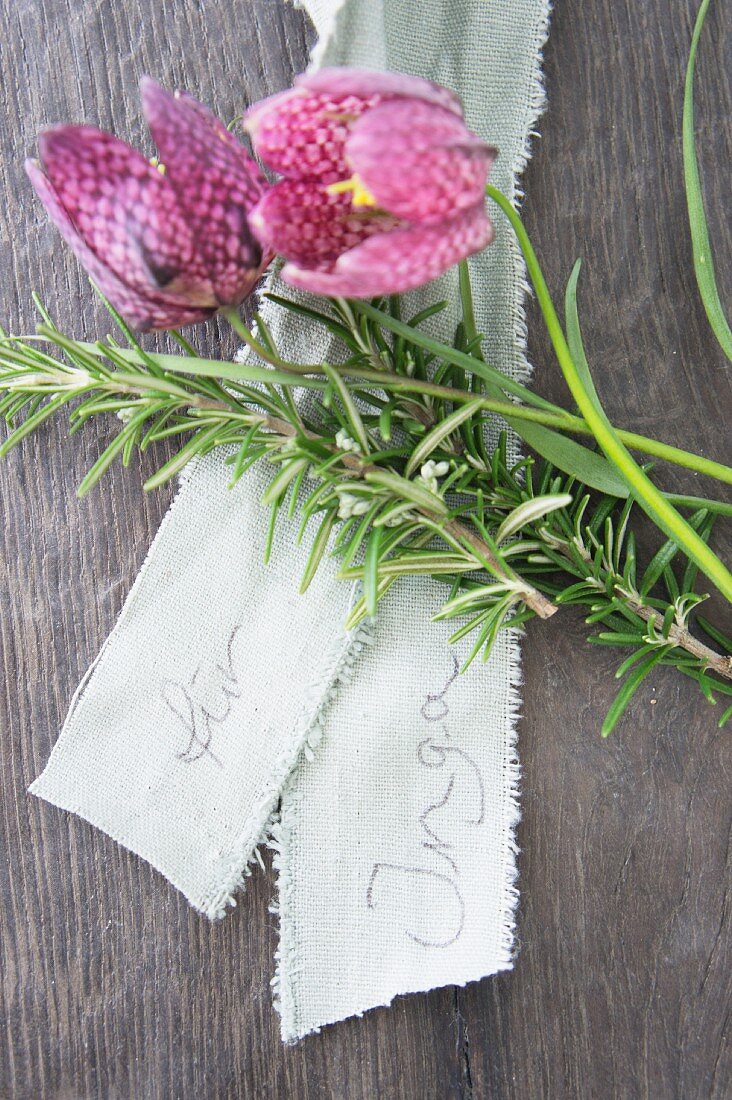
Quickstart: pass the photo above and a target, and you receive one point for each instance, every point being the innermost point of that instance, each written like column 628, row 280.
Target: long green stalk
column 648, row 496
column 701, row 246
column 554, row 415
column 551, row 416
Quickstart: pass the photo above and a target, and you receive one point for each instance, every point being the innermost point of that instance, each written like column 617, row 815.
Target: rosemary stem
column 678, row 636
column 531, row 596
column 289, row 374
column 240, row 327
column 683, row 639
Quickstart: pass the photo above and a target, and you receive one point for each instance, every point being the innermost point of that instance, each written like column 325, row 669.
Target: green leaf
column 385, row 418
column 631, row 685
column 320, row 543
column 104, row 461
column 470, row 600
column 333, row 326
column 701, row 247
column 408, row 490
column 201, row 442
column 427, row 312
column 206, row 368
column 470, row 626
column 242, row 455
column 355, row 422
column 571, row 457
column 358, row 612
column 371, row 570
column 531, row 511
column 271, row 526
column 30, row 424
column 128, row 333
column 440, row 433
column 414, row 564
column 279, row 484
column 452, row 355
column 717, row 635
column 574, row 334
column 489, row 631
column 665, row 555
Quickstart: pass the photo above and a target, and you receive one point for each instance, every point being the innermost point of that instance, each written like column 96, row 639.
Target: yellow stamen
column 360, row 195
column 156, row 164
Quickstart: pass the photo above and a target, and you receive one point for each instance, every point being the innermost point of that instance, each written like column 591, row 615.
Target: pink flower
column 167, row 243
column 384, row 184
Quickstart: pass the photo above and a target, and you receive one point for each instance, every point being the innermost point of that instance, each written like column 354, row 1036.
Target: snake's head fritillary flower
column 168, row 242
column 384, row 185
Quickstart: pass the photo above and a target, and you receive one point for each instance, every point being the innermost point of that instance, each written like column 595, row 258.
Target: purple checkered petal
column 216, row 183
column 302, row 221
column 419, row 161
column 144, row 311
column 126, row 212
column 338, row 82
column 303, row 135
column 392, row 263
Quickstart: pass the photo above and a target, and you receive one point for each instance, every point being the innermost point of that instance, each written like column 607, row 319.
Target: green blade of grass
column 701, row 246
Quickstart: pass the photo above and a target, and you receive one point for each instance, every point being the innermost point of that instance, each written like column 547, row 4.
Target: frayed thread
column 537, row 102
column 535, row 108
column 280, row 841
column 308, row 733
column 512, row 810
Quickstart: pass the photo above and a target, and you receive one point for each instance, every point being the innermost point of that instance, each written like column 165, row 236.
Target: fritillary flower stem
column 292, row 374
column 648, row 496
column 554, row 415
column 237, row 322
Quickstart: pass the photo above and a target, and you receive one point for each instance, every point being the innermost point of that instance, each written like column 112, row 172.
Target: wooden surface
column 111, row 986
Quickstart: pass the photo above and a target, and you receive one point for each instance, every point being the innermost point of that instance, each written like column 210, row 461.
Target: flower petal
column 126, row 213
column 419, row 161
column 392, row 263
column 311, row 227
column 302, row 135
column 216, row 183
column 142, row 311
column 339, row 81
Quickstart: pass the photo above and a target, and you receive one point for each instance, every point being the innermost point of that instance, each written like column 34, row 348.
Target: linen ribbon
column 225, row 711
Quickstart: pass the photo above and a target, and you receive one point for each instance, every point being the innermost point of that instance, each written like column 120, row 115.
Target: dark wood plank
column 623, row 984
column 110, row 985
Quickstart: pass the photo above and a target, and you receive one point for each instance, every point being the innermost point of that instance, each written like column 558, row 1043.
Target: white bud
column 398, row 518
column 430, row 473
column 350, row 505
column 345, row 506
column 344, row 442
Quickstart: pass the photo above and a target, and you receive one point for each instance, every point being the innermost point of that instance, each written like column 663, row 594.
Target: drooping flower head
column 384, row 186
column 168, row 243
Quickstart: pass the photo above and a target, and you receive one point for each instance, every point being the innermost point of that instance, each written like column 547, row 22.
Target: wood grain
column 111, row 986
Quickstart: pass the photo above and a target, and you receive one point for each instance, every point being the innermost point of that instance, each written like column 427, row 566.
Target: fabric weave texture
column 225, row 710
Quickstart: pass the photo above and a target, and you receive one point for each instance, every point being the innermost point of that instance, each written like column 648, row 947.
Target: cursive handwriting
column 462, row 802
column 203, row 703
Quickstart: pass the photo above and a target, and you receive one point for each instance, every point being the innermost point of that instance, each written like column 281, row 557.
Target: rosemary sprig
column 398, row 480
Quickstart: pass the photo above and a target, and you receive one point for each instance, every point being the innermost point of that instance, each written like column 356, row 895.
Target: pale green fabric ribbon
column 221, row 695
